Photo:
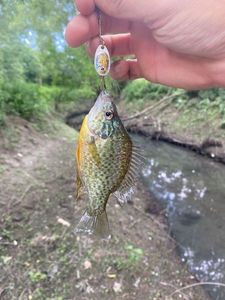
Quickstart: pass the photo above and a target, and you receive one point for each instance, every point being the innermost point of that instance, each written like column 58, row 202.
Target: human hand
column 176, row 43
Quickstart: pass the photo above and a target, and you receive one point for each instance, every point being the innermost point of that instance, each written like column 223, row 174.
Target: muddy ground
column 41, row 258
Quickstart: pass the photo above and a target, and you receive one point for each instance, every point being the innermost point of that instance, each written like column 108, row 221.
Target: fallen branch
column 180, row 290
column 25, row 193
column 151, row 107
column 172, row 286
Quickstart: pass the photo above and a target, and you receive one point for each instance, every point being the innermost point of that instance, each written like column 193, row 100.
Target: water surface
column 192, row 190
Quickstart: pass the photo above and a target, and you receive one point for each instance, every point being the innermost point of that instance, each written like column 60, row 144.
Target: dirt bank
column 41, row 258
column 187, row 127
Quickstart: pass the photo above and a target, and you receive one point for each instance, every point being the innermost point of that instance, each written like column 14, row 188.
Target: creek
column 191, row 189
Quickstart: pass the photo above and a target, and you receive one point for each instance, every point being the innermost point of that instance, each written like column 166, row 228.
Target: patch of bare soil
column 41, row 258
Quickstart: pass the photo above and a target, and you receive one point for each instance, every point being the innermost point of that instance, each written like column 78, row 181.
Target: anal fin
column 128, row 185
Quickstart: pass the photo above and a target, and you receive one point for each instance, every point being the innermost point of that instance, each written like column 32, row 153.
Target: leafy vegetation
column 38, row 70
column 143, row 90
column 40, row 73
column 139, row 93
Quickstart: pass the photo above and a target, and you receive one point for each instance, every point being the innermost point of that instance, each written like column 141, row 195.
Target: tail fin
column 97, row 225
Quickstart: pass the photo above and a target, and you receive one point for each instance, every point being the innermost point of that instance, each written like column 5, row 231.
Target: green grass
column 129, row 258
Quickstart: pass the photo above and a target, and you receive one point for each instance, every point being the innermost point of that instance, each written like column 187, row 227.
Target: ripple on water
column 192, row 190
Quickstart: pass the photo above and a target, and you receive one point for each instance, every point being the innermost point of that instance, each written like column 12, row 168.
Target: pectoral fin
column 78, row 192
column 79, row 183
column 94, row 151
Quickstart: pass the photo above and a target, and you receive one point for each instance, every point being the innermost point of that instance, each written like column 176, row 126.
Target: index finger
column 82, row 28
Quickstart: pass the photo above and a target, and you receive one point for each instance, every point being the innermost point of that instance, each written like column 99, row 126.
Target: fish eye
column 109, row 115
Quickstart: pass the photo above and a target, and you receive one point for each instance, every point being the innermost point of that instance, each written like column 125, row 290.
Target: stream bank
column 192, row 119
column 40, row 258
column 174, row 126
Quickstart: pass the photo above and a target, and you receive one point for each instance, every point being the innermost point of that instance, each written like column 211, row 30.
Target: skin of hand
column 173, row 42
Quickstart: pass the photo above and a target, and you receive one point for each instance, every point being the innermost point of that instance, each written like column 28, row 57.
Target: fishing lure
column 102, row 57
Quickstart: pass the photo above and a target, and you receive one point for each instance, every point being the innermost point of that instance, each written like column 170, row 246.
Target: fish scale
column 103, row 179
column 104, row 159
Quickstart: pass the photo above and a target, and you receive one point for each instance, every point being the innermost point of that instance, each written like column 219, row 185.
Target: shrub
column 70, row 95
column 29, row 100
column 141, row 89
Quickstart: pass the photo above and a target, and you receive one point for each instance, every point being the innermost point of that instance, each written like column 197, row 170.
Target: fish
column 107, row 163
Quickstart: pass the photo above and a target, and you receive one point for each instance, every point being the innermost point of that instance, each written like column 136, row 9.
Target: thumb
column 124, row 9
